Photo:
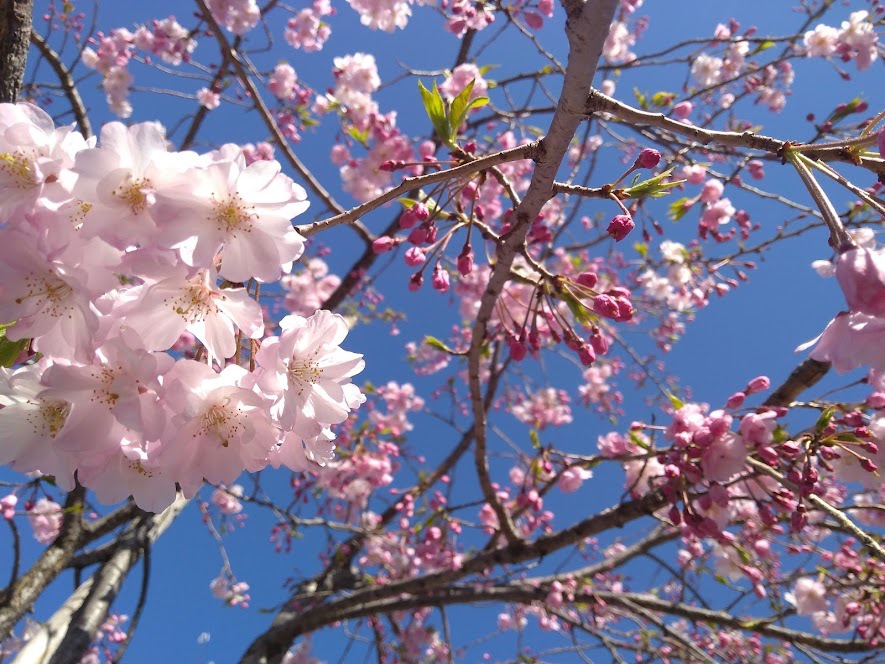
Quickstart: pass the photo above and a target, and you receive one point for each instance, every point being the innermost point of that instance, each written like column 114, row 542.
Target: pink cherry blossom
column 861, row 274
column 221, row 429
column 45, row 518
column 226, row 499
column 247, row 209
column 307, row 373
column 808, row 596
column 160, row 313
column 460, row 78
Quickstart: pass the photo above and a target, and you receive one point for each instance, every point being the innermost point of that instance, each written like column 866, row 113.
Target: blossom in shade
column 808, row 596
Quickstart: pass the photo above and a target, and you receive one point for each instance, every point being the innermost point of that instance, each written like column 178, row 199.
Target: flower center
column 49, row 419
column 195, row 301
column 136, row 193
column 50, row 292
column 19, row 167
column 232, row 214
column 304, row 372
column 106, row 394
column 223, row 422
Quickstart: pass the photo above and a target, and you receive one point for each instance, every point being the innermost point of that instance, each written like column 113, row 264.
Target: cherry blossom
column 307, row 373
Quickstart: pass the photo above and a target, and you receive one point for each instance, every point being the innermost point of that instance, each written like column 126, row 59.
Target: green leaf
column 433, row 342
column 679, row 208
column 641, row 99
column 360, row 136
column 662, row 99
column 654, row 187
column 825, row 418
column 579, row 311
column 676, row 401
column 9, row 350
column 641, row 249
column 459, row 108
column 436, row 110
column 764, row 46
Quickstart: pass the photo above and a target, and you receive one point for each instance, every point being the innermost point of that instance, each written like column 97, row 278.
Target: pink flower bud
column 440, row 279
column 736, row 400
column 648, row 158
column 421, row 211
column 465, row 260
column 517, row 349
column 587, row 279
column 415, row 281
column 599, row 342
column 586, row 354
column 867, row 464
column 758, row 384
column 876, row 400
column 418, row 235
column 407, row 219
column 383, row 244
column 606, row 306
column 620, row 227
column 682, row 110
column 414, row 256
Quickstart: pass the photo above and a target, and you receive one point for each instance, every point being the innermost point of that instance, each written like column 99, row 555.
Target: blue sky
column 750, row 332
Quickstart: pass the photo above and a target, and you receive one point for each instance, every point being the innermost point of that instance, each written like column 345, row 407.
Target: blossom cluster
column 114, row 257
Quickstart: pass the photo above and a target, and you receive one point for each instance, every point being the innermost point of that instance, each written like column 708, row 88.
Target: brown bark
column 15, row 34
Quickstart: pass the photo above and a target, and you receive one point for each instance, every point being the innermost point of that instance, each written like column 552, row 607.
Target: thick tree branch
column 16, row 600
column 65, row 637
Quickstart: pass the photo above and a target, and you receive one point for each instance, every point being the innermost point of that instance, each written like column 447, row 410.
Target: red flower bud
column 648, row 158
column 620, row 227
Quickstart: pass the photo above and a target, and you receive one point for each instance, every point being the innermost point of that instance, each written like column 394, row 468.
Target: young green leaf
column 436, row 110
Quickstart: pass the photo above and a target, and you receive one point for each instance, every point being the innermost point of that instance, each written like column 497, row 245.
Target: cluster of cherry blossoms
column 114, row 257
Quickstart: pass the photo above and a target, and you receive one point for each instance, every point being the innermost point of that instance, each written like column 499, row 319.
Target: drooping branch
column 599, row 103
column 15, row 31
column 67, row 83
column 245, row 79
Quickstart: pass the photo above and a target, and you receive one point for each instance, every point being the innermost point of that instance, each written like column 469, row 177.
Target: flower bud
column 414, row 256
column 620, row 227
column 465, row 260
column 440, row 279
column 384, row 244
column 587, row 279
column 648, row 158
column 758, row 384
column 421, row 212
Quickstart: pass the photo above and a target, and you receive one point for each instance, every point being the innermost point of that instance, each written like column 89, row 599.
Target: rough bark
column 15, row 34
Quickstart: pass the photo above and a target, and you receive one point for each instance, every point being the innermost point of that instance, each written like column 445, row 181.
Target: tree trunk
column 15, row 33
